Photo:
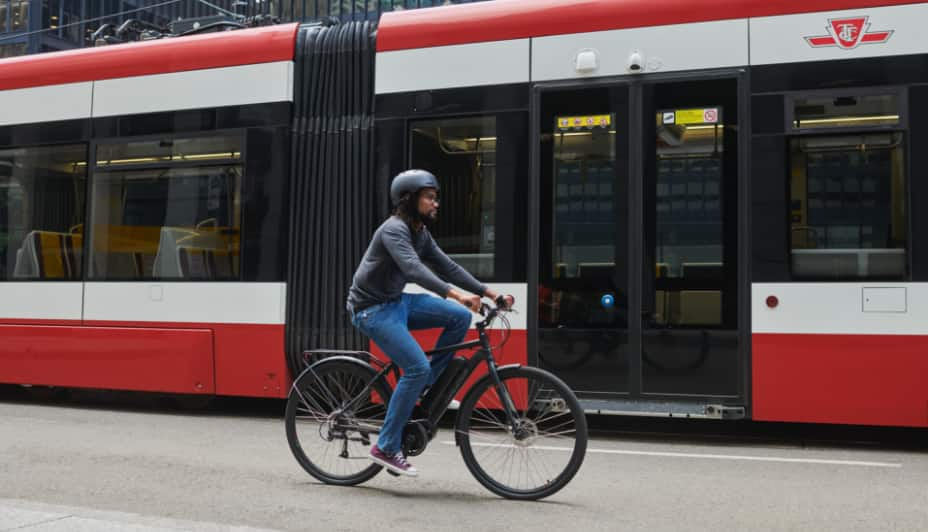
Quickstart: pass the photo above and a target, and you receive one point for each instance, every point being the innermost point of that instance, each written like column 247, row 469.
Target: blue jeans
column 388, row 325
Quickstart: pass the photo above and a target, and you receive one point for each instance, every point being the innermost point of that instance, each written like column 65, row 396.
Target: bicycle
column 338, row 404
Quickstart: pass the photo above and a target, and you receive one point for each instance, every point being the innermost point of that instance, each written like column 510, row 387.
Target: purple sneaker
column 396, row 463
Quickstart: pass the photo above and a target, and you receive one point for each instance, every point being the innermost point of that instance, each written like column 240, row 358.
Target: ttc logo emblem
column 848, row 33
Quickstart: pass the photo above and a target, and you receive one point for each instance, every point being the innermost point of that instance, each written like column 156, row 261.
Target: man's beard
column 428, row 221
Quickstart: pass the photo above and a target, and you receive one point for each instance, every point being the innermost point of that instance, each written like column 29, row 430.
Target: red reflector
column 772, row 301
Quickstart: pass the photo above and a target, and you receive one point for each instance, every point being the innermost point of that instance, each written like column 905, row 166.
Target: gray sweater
column 395, row 257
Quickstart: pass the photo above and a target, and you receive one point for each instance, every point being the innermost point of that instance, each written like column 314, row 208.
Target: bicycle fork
column 512, row 415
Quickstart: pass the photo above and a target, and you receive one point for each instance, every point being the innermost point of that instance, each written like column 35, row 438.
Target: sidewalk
column 29, row 516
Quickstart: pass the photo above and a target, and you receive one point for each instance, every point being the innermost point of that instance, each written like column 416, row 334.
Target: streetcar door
column 638, row 289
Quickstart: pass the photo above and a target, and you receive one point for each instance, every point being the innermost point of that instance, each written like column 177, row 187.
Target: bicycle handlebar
column 490, row 313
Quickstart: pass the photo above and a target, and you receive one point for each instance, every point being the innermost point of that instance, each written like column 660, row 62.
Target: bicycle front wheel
column 542, row 453
column 332, row 421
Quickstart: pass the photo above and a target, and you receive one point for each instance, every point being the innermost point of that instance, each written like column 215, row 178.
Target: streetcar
column 704, row 210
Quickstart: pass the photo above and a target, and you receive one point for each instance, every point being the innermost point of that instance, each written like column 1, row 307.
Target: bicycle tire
column 572, row 412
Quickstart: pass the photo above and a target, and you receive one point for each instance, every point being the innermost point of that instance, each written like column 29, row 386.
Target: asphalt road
column 231, row 466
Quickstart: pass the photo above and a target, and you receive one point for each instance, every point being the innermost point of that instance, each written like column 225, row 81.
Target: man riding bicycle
column 397, row 255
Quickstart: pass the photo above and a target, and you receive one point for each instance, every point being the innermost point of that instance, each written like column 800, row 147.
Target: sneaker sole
column 393, row 469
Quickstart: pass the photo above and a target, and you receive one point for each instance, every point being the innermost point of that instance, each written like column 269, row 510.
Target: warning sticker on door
column 584, row 122
column 686, row 117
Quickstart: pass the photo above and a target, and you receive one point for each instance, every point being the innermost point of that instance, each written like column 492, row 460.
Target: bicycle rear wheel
column 330, row 427
column 544, row 452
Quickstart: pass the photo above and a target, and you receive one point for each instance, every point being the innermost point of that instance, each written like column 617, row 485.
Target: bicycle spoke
column 497, row 424
column 322, row 386
column 555, row 416
column 305, row 398
column 495, row 437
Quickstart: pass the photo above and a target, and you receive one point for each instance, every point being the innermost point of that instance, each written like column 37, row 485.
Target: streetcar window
column 19, row 15
column 12, row 50
column 42, row 212
column 167, row 209
column 689, row 198
column 461, row 152
column 822, row 112
column 848, row 215
column 585, row 192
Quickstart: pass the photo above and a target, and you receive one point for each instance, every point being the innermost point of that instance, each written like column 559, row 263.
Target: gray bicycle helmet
column 411, row 181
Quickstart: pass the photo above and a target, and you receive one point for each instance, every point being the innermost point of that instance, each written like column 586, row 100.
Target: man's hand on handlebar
column 472, row 302
column 505, row 302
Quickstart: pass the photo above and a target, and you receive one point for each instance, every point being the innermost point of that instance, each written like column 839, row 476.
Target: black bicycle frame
column 437, row 400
